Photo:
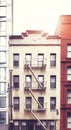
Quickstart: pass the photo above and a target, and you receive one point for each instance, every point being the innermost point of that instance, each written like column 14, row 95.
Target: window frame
column 69, row 73
column 28, row 84
column 28, row 102
column 16, row 59
column 16, row 105
column 69, row 96
column 41, row 101
column 16, row 83
column 52, row 81
column 53, row 105
column 69, row 120
column 68, row 51
column 40, row 60
column 42, row 83
column 52, row 59
column 29, row 61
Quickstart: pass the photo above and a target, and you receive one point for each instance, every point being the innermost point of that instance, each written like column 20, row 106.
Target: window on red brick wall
column 69, row 96
column 69, row 73
column 69, row 51
column 69, row 120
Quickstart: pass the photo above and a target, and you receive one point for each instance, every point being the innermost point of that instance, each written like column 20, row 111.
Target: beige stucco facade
column 36, row 44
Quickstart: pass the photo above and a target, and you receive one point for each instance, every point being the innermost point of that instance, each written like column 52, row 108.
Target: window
column 2, row 117
column 3, row 27
column 69, row 120
column 41, row 101
column 69, row 51
column 52, row 125
column 3, row 11
column 2, row 57
column 52, row 81
column 16, row 81
column 41, row 81
column 2, row 88
column 52, row 103
column 2, row 73
column 2, row 102
column 2, row 41
column 52, row 60
column 40, row 60
column 28, row 102
column 16, row 103
column 28, row 81
column 69, row 73
column 16, row 60
column 69, row 96
column 16, row 125
column 23, row 125
column 28, row 59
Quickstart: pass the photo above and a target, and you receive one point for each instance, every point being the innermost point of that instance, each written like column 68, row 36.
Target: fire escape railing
column 30, row 68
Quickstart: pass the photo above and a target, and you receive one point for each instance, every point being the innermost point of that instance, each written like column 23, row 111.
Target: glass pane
column 69, row 101
column 2, row 88
column 69, row 48
column 28, row 78
column 2, row 73
column 69, row 77
column 2, row 41
column 69, row 93
column 2, row 11
column 2, row 102
column 16, row 57
column 3, row 26
column 16, row 79
column 2, row 57
column 16, row 100
column 53, row 57
column 69, row 71
column 69, row 54
column 2, row 117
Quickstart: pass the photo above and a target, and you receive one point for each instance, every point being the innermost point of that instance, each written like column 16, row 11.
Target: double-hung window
column 16, row 81
column 52, row 60
column 41, row 81
column 40, row 60
column 41, row 101
column 69, row 51
column 28, row 59
column 28, row 81
column 28, row 102
column 2, row 57
column 69, row 120
column 15, row 60
column 16, row 103
column 69, row 96
column 2, row 102
column 69, row 73
column 52, row 125
column 2, row 117
column 52, row 81
column 52, row 103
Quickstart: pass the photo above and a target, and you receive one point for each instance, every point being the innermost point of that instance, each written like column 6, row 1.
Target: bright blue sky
column 39, row 14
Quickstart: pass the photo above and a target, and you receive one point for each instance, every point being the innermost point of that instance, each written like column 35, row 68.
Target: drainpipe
column 10, row 101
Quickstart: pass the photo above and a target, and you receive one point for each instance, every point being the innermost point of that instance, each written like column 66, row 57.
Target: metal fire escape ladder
column 36, row 99
column 34, row 76
column 38, row 120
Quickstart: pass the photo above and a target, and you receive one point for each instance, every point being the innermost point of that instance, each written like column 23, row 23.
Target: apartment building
column 34, row 81
column 5, row 31
column 64, row 30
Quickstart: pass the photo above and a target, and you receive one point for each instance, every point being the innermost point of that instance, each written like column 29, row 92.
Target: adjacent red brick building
column 64, row 30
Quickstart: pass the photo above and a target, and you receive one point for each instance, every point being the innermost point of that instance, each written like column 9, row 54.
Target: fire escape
column 30, row 68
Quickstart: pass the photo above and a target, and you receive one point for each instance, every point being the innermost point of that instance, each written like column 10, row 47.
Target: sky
column 39, row 14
